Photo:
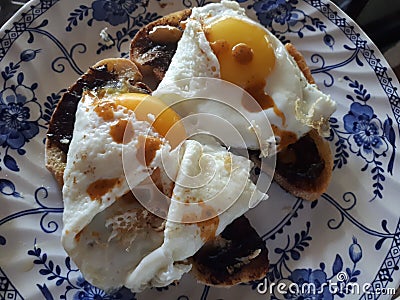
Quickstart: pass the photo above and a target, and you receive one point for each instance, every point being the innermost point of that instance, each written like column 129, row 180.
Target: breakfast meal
column 145, row 200
column 89, row 131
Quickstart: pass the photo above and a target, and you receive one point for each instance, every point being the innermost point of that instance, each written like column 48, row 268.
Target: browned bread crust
column 301, row 62
column 62, row 122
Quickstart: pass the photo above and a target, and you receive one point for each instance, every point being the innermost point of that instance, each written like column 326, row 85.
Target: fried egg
column 95, row 179
column 220, row 41
column 119, row 145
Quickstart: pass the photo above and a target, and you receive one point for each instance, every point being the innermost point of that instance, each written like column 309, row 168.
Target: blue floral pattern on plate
column 365, row 135
column 352, row 231
column 130, row 14
column 19, row 110
column 114, row 12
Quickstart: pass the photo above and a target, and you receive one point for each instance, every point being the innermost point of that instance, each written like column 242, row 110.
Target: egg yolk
column 246, row 57
column 240, row 46
column 166, row 121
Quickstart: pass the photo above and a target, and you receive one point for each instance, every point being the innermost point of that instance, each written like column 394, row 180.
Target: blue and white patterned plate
column 352, row 233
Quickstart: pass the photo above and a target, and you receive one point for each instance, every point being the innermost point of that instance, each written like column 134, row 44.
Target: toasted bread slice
column 60, row 132
column 293, row 177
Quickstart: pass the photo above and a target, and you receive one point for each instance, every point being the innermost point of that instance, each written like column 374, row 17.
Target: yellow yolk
column 165, row 118
column 246, row 57
column 241, row 46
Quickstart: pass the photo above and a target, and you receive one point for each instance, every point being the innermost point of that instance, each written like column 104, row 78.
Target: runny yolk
column 246, row 57
column 166, row 121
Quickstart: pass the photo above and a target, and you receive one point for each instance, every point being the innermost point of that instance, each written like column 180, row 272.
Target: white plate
column 353, row 231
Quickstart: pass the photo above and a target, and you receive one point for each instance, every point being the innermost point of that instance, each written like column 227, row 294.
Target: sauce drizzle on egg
column 100, row 187
column 147, row 147
column 105, row 110
column 117, row 131
column 208, row 227
column 256, row 89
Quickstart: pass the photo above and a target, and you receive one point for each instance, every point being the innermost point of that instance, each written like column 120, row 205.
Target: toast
column 302, row 175
column 57, row 145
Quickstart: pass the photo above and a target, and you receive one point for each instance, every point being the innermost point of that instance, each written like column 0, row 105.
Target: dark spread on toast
column 236, row 249
column 300, row 162
column 156, row 55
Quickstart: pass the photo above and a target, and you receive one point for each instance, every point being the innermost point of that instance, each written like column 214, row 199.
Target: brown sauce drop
column 286, row 137
column 147, row 148
column 105, row 110
column 118, row 130
column 209, row 226
column 256, row 89
column 242, row 53
column 100, row 187
column 101, row 93
column 78, row 236
column 219, row 46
